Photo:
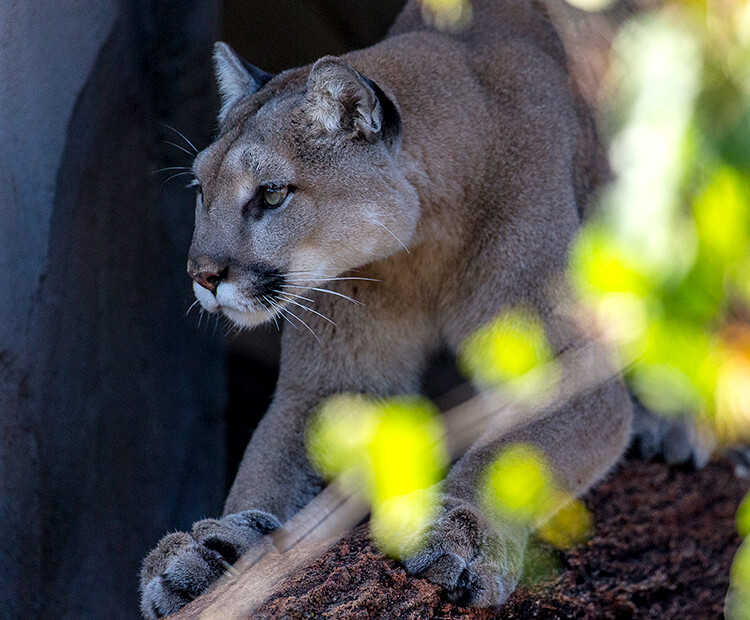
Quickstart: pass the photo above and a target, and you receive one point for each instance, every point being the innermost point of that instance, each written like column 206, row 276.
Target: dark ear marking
column 391, row 125
column 260, row 77
column 236, row 77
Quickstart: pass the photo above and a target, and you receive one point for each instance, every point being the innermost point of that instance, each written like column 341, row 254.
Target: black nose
column 209, row 279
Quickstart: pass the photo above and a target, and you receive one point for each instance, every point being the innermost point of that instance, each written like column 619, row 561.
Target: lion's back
column 517, row 55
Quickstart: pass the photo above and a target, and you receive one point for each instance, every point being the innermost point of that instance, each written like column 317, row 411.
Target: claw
column 230, row 571
column 183, row 565
column 475, row 562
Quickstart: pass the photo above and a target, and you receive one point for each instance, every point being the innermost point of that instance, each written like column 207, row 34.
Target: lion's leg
column 581, row 432
column 275, row 479
column 478, row 557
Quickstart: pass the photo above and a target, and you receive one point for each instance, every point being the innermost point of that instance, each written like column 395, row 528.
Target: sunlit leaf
column 570, row 526
column 340, row 433
column 406, row 449
column 738, row 597
column 447, row 14
column 743, row 517
column 400, row 524
column 600, row 264
column 519, row 485
column 721, row 215
column 392, row 452
column 511, row 351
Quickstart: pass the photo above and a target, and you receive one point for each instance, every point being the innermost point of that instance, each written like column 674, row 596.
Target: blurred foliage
column 738, row 598
column 541, row 560
column 510, row 352
column 390, row 451
column 453, row 15
column 520, row 487
column 519, row 484
column 665, row 267
column 743, row 518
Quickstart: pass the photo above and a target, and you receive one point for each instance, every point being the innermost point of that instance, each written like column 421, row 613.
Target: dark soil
column 662, row 547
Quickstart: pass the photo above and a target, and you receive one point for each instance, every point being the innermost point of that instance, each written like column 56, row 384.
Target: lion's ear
column 340, row 99
column 236, row 77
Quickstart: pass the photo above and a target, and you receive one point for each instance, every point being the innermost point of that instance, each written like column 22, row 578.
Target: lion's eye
column 195, row 184
column 274, row 196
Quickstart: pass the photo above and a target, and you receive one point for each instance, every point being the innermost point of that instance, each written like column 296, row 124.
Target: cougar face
column 297, row 189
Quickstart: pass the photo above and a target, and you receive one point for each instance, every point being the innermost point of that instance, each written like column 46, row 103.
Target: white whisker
column 283, row 309
column 236, row 329
column 191, row 307
column 174, row 176
column 388, row 230
column 273, row 316
column 322, row 316
column 172, row 168
column 182, row 148
column 294, row 295
column 331, row 276
column 280, row 310
column 325, row 279
column 226, row 326
column 316, row 272
column 303, row 323
column 325, row 290
column 182, row 135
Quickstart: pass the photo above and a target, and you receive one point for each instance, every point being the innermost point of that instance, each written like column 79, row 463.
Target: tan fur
column 474, row 151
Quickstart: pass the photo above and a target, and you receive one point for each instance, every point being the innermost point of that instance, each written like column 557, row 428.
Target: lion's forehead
column 243, row 161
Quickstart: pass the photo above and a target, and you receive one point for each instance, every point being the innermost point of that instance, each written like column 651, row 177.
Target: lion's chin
column 244, row 318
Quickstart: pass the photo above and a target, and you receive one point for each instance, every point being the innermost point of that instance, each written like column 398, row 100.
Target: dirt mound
column 662, row 548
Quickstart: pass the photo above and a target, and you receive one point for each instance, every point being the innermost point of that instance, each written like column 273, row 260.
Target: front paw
column 477, row 563
column 183, row 566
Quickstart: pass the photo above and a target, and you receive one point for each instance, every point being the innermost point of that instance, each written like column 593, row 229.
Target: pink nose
column 208, row 279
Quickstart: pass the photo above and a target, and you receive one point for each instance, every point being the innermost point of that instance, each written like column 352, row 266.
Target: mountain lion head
column 303, row 183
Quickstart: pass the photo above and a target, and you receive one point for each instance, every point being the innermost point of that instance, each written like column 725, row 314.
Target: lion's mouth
column 248, row 318
column 275, row 297
column 243, row 310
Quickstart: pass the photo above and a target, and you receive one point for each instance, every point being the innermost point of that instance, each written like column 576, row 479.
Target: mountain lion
column 451, row 171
